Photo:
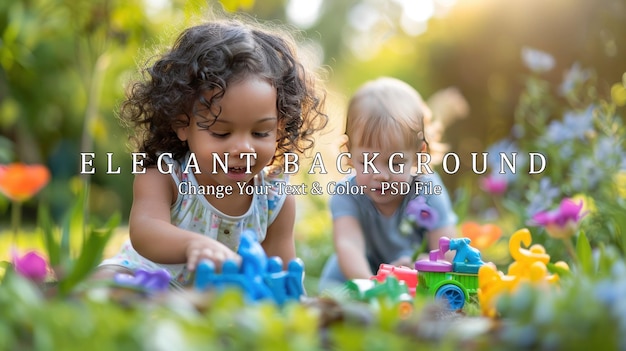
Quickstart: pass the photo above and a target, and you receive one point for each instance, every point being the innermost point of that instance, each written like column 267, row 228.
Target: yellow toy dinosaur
column 529, row 266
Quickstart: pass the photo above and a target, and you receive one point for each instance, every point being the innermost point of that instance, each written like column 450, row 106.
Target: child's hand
column 207, row 248
column 403, row 261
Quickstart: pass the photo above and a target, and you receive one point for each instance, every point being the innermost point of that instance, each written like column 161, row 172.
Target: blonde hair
column 387, row 113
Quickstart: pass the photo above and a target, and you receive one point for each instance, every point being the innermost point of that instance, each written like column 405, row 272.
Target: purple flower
column 494, row 184
column 576, row 125
column 31, row 266
column 546, row 194
column 419, row 212
column 574, row 77
column 562, row 222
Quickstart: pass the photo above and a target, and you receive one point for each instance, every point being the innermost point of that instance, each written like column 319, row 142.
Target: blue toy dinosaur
column 258, row 276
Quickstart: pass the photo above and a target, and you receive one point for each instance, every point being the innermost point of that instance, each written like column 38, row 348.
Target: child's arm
column 279, row 240
column 155, row 237
column 405, row 261
column 350, row 248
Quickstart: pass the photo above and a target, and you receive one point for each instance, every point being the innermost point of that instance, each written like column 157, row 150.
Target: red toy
column 402, row 273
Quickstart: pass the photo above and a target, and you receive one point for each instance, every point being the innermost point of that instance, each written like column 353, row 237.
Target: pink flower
column 31, row 266
column 562, row 222
column 494, row 184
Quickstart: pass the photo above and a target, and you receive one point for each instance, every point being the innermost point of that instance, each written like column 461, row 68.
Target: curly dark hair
column 209, row 57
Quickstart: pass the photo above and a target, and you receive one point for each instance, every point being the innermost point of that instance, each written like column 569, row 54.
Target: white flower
column 536, row 60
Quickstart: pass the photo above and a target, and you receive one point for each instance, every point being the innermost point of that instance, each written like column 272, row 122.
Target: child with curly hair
column 385, row 136
column 215, row 114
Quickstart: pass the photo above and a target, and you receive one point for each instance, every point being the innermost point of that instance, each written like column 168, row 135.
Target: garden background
column 502, row 76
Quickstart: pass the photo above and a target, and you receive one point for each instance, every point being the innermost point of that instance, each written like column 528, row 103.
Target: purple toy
column 436, row 260
column 147, row 281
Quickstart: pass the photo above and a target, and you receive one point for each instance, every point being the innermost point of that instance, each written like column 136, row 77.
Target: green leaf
column 462, row 201
column 51, row 244
column 90, row 255
column 607, row 257
column 583, row 250
column 420, row 250
column 74, row 222
column 562, row 272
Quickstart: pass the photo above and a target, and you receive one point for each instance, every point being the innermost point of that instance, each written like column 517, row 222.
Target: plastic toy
column 391, row 292
column 453, row 282
column 530, row 266
column 402, row 273
column 144, row 281
column 258, row 276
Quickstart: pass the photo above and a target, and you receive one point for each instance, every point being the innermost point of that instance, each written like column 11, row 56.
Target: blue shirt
column 384, row 241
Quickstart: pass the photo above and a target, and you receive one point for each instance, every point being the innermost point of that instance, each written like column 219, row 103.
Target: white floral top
column 193, row 212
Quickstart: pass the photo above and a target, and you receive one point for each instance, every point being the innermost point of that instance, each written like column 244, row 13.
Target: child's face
column 247, row 123
column 386, row 166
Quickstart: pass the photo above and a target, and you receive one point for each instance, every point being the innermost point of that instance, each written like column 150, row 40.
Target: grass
column 33, row 240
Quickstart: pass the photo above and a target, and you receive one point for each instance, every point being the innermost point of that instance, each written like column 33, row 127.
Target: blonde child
column 226, row 90
column 385, row 116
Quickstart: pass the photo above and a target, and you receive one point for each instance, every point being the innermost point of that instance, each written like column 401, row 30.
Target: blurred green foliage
column 63, row 64
column 64, row 68
column 586, row 311
column 579, row 129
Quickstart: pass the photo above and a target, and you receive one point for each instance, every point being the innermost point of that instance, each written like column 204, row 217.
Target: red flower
column 482, row 236
column 19, row 181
